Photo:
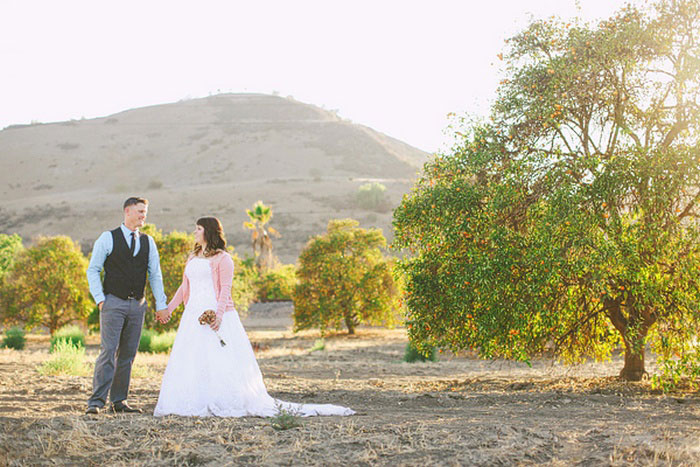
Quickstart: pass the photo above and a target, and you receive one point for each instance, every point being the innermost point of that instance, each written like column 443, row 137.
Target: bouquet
column 208, row 318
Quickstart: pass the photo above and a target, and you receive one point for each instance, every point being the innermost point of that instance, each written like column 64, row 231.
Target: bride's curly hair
column 213, row 235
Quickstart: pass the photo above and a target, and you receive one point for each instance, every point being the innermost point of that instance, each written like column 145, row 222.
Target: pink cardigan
column 222, row 274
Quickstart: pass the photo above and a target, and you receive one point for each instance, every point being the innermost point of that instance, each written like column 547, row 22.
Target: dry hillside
column 214, row 155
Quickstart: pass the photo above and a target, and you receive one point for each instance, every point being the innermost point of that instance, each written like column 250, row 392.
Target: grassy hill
column 209, row 156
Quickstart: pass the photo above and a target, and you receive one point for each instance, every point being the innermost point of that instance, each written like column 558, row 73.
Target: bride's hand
column 216, row 324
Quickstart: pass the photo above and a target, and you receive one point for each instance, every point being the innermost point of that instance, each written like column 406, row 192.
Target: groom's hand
column 99, row 305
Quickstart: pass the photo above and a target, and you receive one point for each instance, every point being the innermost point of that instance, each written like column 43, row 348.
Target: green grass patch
column 153, row 342
column 67, row 359
column 285, row 419
column 319, row 344
column 70, row 333
column 146, row 338
column 162, row 343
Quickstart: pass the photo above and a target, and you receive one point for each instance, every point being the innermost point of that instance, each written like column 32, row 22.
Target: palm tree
column 260, row 236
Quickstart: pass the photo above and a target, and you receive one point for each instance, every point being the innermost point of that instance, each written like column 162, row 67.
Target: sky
column 397, row 66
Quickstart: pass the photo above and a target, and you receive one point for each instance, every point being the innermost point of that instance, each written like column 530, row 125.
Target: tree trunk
column 634, row 361
column 633, row 329
column 350, row 323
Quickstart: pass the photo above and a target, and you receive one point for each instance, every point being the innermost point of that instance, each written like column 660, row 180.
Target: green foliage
column 145, row 340
column 285, row 419
column 372, row 196
column 10, row 246
column 570, row 216
column 276, row 284
column 411, row 355
column 260, row 214
column 93, row 319
column 344, row 280
column 67, row 359
column 14, row 338
column 173, row 249
column 154, row 342
column 47, row 285
column 70, row 333
column 261, row 235
column 319, row 344
column 679, row 368
column 244, row 290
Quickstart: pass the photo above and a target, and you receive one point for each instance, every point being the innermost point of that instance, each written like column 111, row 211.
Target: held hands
column 162, row 316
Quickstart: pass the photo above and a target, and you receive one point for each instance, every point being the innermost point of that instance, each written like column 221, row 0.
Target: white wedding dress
column 205, row 379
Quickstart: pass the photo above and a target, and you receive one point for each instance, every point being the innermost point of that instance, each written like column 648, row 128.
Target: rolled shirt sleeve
column 155, row 276
column 100, row 250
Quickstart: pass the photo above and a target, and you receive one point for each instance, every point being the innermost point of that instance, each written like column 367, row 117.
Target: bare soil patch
column 458, row 411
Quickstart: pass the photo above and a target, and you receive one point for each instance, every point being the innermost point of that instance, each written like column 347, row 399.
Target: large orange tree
column 569, row 217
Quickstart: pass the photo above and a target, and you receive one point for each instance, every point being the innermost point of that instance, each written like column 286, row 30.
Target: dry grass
column 458, row 411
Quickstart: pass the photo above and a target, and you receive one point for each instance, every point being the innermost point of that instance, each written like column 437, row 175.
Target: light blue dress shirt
column 103, row 248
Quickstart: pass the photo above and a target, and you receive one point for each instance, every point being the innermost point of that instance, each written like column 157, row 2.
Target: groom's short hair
column 135, row 200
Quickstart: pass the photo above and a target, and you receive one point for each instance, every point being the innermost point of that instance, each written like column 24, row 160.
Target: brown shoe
column 123, row 407
column 92, row 410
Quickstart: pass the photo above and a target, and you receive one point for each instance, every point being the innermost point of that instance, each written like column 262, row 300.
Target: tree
column 47, row 286
column 10, row 246
column 173, row 249
column 571, row 215
column 259, row 216
column 344, row 280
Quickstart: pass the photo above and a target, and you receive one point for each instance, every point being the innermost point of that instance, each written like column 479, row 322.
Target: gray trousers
column 121, row 322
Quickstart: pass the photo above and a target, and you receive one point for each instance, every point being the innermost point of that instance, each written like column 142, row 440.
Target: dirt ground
column 458, row 411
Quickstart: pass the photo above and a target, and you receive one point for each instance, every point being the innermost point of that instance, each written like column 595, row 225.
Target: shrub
column 70, row 333
column 162, row 343
column 244, row 289
column 277, row 284
column 319, row 344
column 146, row 338
column 680, row 371
column 285, row 419
column 14, row 338
column 412, row 355
column 67, row 359
column 372, row 196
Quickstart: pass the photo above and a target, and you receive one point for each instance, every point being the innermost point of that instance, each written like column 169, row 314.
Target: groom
column 126, row 256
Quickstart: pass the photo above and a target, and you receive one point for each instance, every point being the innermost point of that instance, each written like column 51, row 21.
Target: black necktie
column 133, row 243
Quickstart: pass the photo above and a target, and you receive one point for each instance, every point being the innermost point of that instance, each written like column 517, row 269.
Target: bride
column 212, row 370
